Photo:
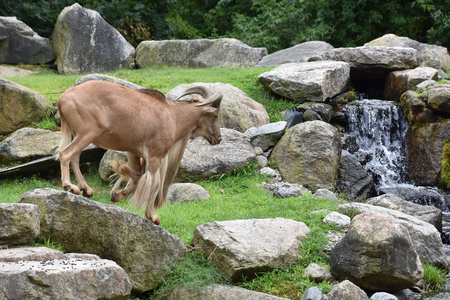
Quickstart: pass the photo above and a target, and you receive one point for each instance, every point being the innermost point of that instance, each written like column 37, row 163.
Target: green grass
column 434, row 278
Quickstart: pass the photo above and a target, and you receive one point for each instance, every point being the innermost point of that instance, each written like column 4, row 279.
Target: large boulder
column 198, row 53
column 353, row 180
column 428, row 55
column 237, row 110
column 425, row 237
column 107, row 78
column 398, row 82
column 246, row 247
column 19, row 44
column 202, row 160
column 376, row 254
column 425, row 148
column 308, row 81
column 19, row 223
column 309, row 154
column 84, row 42
column 42, row 273
column 143, row 249
column 20, row 106
column 27, row 143
column 298, row 53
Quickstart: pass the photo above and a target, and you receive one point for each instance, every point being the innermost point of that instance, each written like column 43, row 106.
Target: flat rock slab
column 42, row 273
column 308, row 81
column 245, row 247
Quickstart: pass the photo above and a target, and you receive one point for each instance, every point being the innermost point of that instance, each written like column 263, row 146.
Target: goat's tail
column 66, row 135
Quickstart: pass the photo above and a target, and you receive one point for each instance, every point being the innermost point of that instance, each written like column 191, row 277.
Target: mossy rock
column 445, row 165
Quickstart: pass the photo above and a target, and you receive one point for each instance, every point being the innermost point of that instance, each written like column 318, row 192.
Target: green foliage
column 48, row 243
column 445, row 163
column 434, row 278
column 195, row 271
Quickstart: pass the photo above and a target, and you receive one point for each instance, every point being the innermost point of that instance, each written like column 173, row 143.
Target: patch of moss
column 445, row 164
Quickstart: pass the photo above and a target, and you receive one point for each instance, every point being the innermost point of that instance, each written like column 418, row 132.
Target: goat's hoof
column 87, row 193
column 113, row 197
column 71, row 189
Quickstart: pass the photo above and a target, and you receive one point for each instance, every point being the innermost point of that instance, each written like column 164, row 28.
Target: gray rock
column 266, row 136
column 182, row 192
column 310, row 115
column 309, row 154
column 21, row 45
column 313, row 293
column 142, row 248
column 298, row 53
column 228, row 52
column 308, row 81
column 271, row 173
column 398, row 82
column 9, row 71
column 425, row 237
column 383, row 296
column 108, row 78
column 325, row 111
column 217, row 291
column 353, row 180
column 317, row 273
column 285, row 189
column 201, row 160
column 324, row 193
column 429, row 214
column 338, row 219
column 377, row 254
column 198, row 53
column 20, row 107
column 237, row 110
column 348, row 291
column 439, row 98
column 27, row 144
column 262, row 161
column 425, row 85
column 386, row 58
column 332, row 239
column 245, row 247
column 105, row 169
column 48, row 275
column 428, row 55
column 84, row 43
column 19, row 223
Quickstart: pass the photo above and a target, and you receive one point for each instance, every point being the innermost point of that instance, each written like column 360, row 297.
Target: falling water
column 379, row 129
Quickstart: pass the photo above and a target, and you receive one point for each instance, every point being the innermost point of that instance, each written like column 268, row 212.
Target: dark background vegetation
column 274, row 24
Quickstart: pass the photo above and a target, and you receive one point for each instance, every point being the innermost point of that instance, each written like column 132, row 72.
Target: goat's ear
column 210, row 110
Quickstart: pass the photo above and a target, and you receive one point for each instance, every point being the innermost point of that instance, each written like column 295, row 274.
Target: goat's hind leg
column 73, row 150
column 82, row 184
column 131, row 170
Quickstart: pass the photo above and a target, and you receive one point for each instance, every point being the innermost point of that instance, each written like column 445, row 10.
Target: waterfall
column 379, row 129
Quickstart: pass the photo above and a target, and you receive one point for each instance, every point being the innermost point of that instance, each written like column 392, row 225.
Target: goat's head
column 208, row 124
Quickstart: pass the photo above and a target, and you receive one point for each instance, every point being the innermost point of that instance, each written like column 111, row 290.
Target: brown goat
column 152, row 130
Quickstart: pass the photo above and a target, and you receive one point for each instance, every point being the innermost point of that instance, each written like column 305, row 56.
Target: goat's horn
column 213, row 98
